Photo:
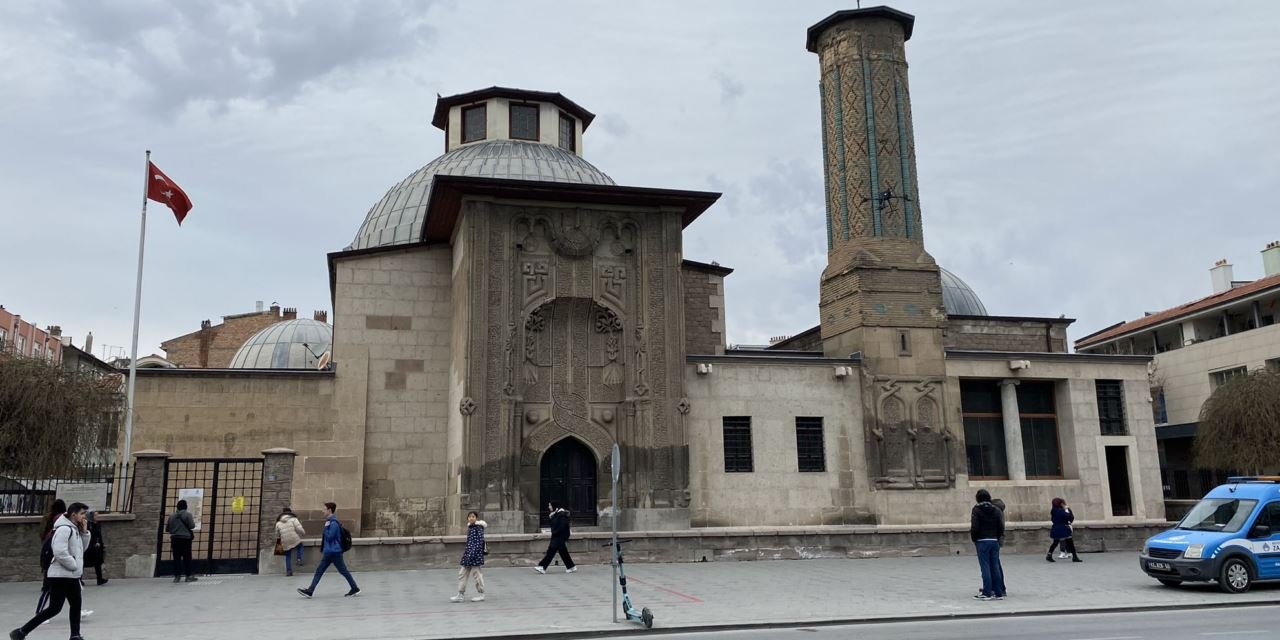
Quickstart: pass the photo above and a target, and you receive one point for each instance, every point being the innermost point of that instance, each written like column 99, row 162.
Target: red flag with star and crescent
column 167, row 192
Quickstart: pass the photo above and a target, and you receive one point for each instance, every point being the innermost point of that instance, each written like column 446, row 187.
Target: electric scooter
column 642, row 616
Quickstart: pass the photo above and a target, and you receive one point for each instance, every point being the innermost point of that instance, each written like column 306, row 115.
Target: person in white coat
column 289, row 532
column 70, row 539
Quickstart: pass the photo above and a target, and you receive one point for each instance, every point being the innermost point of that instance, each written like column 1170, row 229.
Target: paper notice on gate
column 237, row 505
column 195, row 503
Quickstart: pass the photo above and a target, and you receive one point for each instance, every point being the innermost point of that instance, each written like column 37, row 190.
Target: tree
column 1240, row 425
column 53, row 420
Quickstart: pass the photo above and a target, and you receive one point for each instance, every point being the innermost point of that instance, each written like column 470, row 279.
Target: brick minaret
column 881, row 293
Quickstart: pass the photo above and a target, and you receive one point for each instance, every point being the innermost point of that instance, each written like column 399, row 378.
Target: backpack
column 344, row 538
column 46, row 549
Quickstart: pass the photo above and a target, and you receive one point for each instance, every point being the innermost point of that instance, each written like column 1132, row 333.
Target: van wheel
column 1235, row 576
column 1170, row 583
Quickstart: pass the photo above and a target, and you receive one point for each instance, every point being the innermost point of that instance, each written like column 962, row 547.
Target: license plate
column 1159, row 566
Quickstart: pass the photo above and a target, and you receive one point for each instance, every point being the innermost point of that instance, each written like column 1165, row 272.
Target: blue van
column 1232, row 535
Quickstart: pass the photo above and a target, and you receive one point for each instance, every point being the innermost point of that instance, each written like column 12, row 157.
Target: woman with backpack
column 66, row 546
column 46, row 532
column 336, row 541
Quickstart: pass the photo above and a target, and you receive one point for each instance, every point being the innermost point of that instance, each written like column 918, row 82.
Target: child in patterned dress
column 472, row 559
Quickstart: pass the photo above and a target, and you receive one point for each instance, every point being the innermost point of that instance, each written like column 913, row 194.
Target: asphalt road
column 1234, row 623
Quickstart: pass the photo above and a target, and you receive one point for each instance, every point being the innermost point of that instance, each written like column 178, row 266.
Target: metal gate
column 224, row 495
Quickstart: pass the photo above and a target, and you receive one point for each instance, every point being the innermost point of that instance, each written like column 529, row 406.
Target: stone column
column 277, row 493
column 139, row 544
column 1012, row 430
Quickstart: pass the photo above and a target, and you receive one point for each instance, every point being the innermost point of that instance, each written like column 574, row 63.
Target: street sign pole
column 616, row 465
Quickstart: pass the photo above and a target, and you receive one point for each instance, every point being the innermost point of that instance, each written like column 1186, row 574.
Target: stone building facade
column 214, row 345
column 506, row 314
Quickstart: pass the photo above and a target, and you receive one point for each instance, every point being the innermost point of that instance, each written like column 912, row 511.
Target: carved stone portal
column 910, row 447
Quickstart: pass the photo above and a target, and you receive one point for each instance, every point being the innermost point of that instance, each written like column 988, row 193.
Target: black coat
column 986, row 522
column 560, row 525
column 96, row 553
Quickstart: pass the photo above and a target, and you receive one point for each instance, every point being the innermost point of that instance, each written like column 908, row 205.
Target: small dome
column 292, row 344
column 398, row 217
column 958, row 298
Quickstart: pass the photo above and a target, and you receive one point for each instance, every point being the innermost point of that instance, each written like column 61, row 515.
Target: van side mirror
column 1260, row 531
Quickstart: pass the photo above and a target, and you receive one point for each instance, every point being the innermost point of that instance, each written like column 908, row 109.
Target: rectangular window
column 524, row 121
column 1111, row 407
column 474, row 123
column 737, row 444
column 1039, row 419
column 983, row 429
column 1219, row 378
column 21, row 341
column 1273, row 365
column 810, row 453
column 567, row 133
column 4, row 339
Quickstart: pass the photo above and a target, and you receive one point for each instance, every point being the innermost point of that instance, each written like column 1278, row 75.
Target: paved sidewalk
column 414, row 604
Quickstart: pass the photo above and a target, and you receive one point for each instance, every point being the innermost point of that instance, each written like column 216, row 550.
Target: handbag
column 279, row 550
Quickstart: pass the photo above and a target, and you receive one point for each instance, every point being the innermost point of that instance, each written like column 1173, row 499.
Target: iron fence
column 102, row 487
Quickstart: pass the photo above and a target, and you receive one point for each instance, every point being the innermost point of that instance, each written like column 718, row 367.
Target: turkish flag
column 167, row 192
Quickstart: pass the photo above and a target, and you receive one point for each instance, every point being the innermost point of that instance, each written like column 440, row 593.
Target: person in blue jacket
column 332, row 553
column 1061, row 516
column 472, row 559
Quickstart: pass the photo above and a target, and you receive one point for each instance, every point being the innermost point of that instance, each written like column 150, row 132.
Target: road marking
column 1234, row 633
column 1113, row 638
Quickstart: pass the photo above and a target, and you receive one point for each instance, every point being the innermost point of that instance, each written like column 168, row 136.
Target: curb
column 632, row 629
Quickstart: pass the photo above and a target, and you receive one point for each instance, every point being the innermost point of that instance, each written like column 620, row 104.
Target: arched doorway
column 568, row 478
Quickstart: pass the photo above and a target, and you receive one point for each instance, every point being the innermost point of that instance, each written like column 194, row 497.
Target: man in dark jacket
column 559, row 541
column 181, row 528
column 986, row 529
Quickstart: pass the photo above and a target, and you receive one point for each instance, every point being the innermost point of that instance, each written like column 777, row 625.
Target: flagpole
column 137, row 311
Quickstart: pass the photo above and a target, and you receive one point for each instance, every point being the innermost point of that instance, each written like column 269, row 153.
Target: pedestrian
column 56, row 510
column 70, row 539
column 559, row 540
column 181, row 528
column 986, row 529
column 999, row 505
column 472, row 559
column 96, row 555
column 332, row 550
column 1061, row 517
column 289, row 534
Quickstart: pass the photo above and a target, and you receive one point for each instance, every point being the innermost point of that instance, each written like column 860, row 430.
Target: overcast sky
column 1089, row 158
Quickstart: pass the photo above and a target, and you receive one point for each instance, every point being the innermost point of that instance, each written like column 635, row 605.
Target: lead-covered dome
column 292, row 344
column 958, row 297
column 397, row 218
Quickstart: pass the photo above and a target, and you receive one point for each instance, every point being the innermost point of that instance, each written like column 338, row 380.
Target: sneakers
column 540, row 569
column 192, row 578
column 981, row 596
column 479, row 598
column 17, row 634
column 1063, row 555
column 1076, row 559
column 457, row 598
column 352, row 592
column 571, row 570
column 997, row 597
column 103, row 581
column 306, row 593
column 288, row 574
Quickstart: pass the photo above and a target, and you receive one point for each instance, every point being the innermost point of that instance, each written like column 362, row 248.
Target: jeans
column 989, row 563
column 60, row 590
column 332, row 558
column 181, row 556
column 557, row 546
column 288, row 558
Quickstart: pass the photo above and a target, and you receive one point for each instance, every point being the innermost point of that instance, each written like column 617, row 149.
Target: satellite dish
column 324, row 360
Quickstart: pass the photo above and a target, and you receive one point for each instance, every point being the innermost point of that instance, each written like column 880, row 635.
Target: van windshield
column 1218, row 514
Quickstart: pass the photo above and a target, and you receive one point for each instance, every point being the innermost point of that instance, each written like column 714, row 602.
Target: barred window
column 810, row 453
column 1111, row 407
column 737, row 444
column 524, row 121
column 474, row 122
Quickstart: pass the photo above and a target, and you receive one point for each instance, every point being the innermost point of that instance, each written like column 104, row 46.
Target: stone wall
column 214, row 346
column 199, row 413
column 130, row 537
column 992, row 333
column 775, row 492
column 740, row 544
column 1184, row 373
column 277, row 493
column 704, row 311
column 392, row 323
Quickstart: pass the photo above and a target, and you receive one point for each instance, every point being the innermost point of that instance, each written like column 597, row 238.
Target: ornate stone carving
column 642, row 360
column 910, row 451
column 467, row 406
column 683, row 406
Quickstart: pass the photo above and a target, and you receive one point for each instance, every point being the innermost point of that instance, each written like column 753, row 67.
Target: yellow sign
column 237, row 504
